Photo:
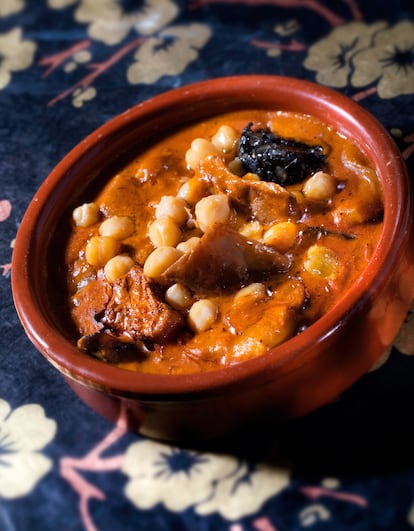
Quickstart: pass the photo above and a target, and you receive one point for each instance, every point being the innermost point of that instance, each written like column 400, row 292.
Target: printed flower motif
column 285, row 29
column 244, row 493
column 11, row 7
column 60, row 4
column 177, row 478
column 160, row 51
column 5, row 209
column 313, row 514
column 390, row 60
column 15, row 54
column 209, row 483
column 168, row 53
column 331, row 57
column 81, row 96
column 404, row 342
column 109, row 23
column 23, row 433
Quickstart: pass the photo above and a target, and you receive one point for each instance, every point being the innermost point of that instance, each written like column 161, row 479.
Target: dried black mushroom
column 276, row 159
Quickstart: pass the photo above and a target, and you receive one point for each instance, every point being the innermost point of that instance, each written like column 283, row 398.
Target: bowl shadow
column 368, row 430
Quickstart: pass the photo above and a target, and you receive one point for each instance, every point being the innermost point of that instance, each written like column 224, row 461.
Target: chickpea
column 202, row 315
column 256, row 290
column 172, row 207
column 118, row 227
column 320, row 187
column 100, row 249
column 282, row 236
column 189, row 244
column 322, row 261
column 159, row 260
column 164, row 232
column 86, row 214
column 192, row 191
column 117, row 266
column 212, row 209
column 225, row 139
column 199, row 150
column 236, row 167
column 178, row 296
column 252, row 230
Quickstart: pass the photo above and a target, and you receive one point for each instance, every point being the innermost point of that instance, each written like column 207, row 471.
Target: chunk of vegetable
column 172, row 207
column 320, row 187
column 164, row 232
column 86, row 215
column 118, row 227
column 199, row 150
column 277, row 159
column 178, row 296
column 322, row 261
column 202, row 315
column 159, row 260
column 100, row 249
column 211, row 210
column 117, row 266
column 282, row 236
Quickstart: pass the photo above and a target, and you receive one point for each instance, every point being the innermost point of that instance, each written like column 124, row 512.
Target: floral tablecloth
column 66, row 67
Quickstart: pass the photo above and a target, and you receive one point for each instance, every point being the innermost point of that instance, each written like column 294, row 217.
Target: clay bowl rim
column 229, row 92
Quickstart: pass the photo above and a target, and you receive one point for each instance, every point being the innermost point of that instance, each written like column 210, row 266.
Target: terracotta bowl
column 290, row 380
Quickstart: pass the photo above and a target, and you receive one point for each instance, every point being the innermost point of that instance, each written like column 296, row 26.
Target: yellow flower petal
column 11, row 7
column 331, row 57
column 15, row 53
column 168, row 54
column 390, row 60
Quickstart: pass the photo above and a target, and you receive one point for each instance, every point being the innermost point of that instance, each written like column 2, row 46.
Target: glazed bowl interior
column 131, row 132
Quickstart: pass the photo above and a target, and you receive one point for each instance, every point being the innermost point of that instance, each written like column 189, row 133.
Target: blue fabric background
column 366, row 439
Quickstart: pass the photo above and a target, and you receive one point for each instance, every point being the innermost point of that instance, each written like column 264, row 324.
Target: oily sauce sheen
column 188, row 261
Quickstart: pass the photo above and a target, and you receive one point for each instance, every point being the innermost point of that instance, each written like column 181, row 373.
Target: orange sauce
column 344, row 229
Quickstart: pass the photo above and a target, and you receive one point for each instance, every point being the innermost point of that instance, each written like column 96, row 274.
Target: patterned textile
column 68, row 66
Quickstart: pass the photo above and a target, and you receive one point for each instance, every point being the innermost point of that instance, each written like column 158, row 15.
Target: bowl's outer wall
column 306, row 372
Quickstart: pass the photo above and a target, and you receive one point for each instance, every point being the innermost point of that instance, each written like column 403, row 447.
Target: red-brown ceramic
column 290, row 380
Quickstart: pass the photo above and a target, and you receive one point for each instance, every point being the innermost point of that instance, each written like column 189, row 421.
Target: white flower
column 167, row 54
column 109, row 23
column 59, row 4
column 114, row 25
column 15, row 54
column 331, row 57
column 176, row 478
column 81, row 96
column 23, row 433
column 209, row 483
column 11, row 7
column 313, row 514
column 244, row 493
column 390, row 61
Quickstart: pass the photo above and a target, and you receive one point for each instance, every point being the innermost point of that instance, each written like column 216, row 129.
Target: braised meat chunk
column 135, row 310
column 88, row 303
column 225, row 259
column 266, row 202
